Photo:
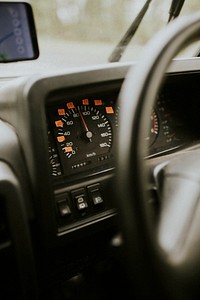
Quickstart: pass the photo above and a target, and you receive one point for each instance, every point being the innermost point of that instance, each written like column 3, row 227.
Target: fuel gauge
column 54, row 158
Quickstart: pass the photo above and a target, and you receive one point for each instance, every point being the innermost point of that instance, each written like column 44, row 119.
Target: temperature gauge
column 154, row 127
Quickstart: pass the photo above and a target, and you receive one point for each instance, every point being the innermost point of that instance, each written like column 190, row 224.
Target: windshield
column 74, row 33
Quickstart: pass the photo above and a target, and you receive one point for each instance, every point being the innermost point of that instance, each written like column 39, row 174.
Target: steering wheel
column 163, row 257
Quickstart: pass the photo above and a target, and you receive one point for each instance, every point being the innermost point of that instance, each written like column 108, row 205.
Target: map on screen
column 16, row 42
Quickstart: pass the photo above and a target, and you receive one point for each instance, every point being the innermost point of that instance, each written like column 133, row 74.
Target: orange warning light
column 70, row 105
column 109, row 110
column 98, row 102
column 68, row 149
column 61, row 111
column 85, row 102
column 59, row 123
column 61, row 138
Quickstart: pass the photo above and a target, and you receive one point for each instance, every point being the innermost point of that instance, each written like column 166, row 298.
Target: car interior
column 100, row 171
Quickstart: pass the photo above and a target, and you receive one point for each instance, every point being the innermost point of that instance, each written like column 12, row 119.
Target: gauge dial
column 83, row 132
column 53, row 158
column 154, row 128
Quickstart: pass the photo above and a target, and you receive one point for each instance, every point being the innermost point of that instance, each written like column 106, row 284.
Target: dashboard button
column 79, row 199
column 63, row 208
column 81, row 203
column 96, row 195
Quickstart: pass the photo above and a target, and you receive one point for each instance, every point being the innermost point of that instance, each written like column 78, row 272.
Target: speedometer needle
column 88, row 132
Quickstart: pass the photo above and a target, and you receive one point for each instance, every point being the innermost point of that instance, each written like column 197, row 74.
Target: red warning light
column 70, row 105
column 61, row 138
column 61, row 111
column 59, row 123
column 68, row 149
column 85, row 102
column 109, row 110
column 98, row 102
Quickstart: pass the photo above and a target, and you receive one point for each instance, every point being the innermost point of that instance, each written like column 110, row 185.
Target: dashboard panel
column 73, row 118
column 83, row 123
column 70, row 197
column 82, row 130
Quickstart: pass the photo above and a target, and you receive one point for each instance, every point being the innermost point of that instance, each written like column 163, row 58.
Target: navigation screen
column 17, row 32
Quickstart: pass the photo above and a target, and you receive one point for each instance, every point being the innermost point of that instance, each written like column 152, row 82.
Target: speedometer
column 83, row 131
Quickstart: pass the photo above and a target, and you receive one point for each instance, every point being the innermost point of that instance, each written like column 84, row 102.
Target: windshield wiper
column 121, row 46
column 175, row 9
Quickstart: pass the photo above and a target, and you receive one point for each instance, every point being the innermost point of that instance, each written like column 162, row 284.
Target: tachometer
column 154, row 127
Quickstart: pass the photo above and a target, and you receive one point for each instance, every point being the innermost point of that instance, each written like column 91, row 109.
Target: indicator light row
column 96, row 102
column 71, row 105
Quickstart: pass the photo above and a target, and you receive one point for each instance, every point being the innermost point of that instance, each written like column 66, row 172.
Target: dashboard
column 67, row 127
column 59, row 133
column 82, row 126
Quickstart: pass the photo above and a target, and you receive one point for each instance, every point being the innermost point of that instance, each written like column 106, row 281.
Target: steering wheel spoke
column 180, row 200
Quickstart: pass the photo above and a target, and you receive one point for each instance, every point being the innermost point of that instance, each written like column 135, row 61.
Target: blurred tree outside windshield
column 100, row 24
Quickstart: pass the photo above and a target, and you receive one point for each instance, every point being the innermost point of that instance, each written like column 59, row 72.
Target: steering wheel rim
column 139, row 91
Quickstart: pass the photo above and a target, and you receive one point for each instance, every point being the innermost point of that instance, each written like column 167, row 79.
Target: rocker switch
column 63, row 208
column 80, row 201
column 96, row 195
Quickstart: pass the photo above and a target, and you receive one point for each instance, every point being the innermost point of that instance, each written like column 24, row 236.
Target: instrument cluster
column 82, row 129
